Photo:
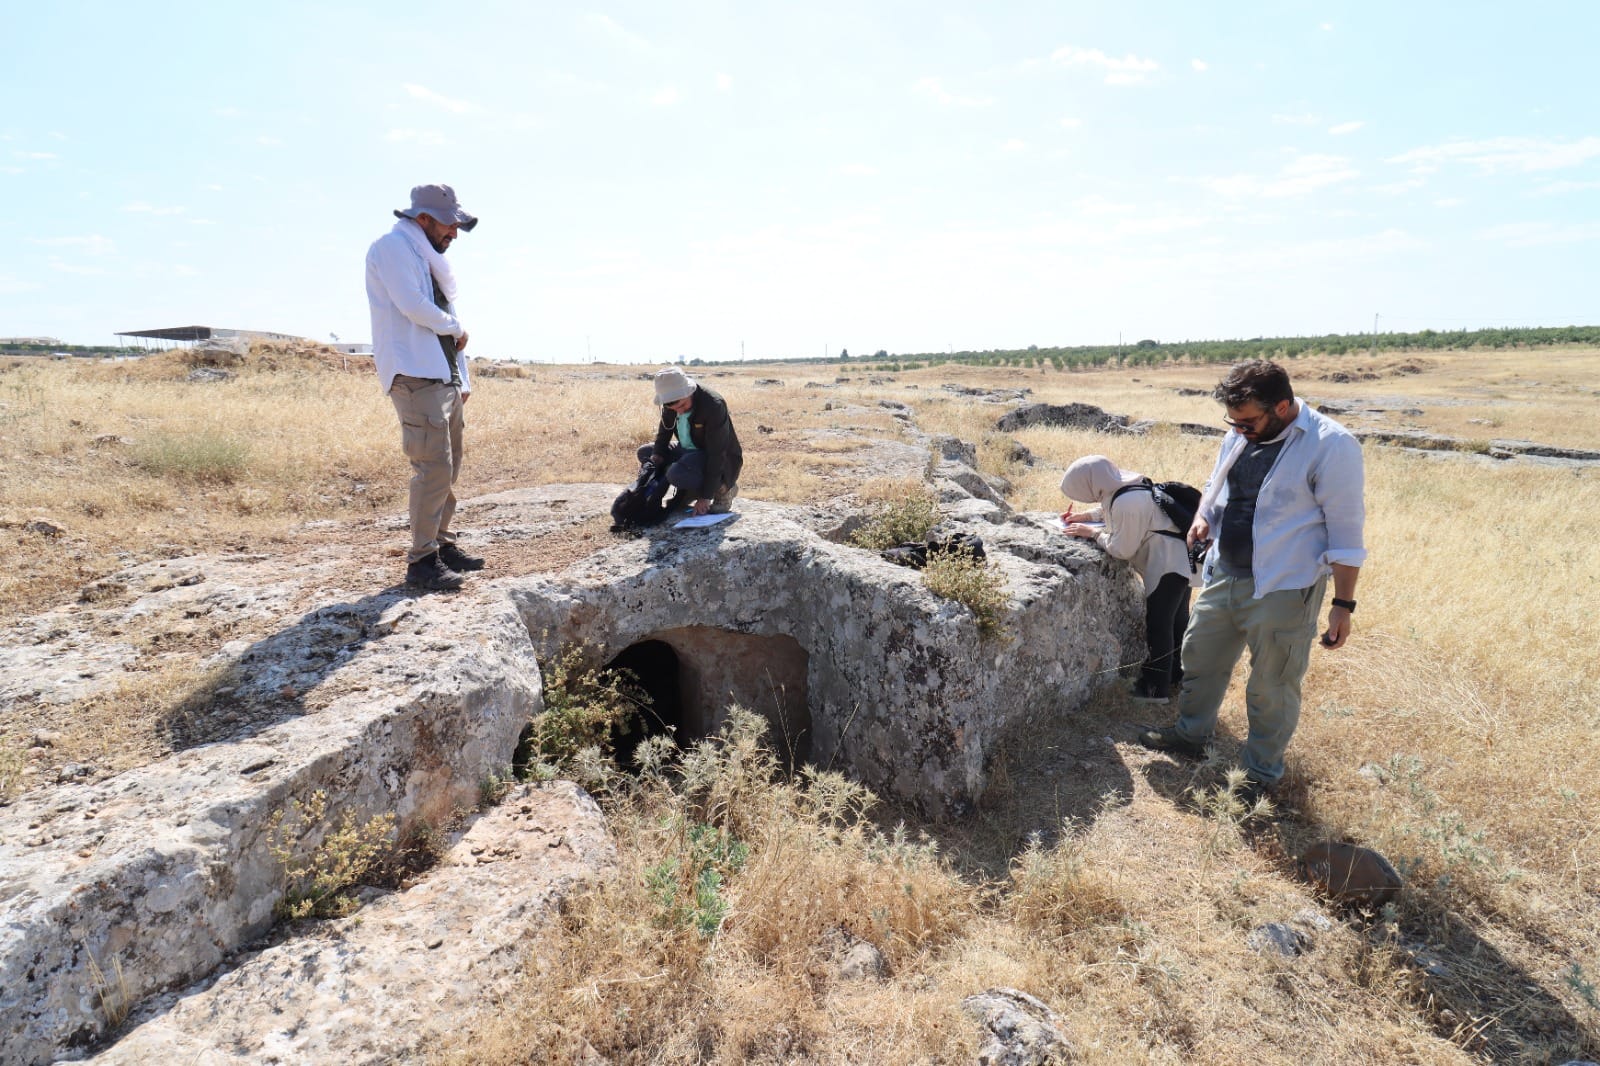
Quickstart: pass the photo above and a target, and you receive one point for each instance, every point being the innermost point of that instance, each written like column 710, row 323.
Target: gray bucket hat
column 439, row 203
column 673, row 385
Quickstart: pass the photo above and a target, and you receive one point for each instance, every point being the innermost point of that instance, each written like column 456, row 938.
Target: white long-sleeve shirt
column 1310, row 512
column 406, row 323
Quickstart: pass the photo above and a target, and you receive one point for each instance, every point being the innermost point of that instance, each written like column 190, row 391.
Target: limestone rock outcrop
column 391, row 703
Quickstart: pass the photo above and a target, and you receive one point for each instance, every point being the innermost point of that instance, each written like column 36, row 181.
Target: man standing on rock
column 417, row 345
column 1285, row 505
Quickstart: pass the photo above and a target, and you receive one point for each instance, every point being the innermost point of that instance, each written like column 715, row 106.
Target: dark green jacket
column 711, row 430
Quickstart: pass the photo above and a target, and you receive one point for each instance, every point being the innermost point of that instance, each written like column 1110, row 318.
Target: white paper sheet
column 698, row 521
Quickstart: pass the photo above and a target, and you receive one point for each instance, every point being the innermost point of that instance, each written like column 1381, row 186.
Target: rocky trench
column 148, row 892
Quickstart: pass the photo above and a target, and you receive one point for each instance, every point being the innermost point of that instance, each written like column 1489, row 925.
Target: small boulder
column 1019, row 1030
column 1350, row 874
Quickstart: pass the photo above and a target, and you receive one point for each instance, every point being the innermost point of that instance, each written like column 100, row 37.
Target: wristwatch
column 1349, row 605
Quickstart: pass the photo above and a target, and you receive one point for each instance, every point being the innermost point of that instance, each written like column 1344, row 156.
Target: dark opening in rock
column 654, row 666
column 695, row 673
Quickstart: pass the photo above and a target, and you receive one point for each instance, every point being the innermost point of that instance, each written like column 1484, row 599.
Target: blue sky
column 711, row 178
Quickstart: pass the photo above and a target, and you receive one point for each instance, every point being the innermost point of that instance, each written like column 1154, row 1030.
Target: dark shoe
column 1142, row 693
column 1250, row 791
column 1168, row 739
column 429, row 573
column 458, row 560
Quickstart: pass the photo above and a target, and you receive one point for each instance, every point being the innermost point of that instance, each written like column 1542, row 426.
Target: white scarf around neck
column 436, row 261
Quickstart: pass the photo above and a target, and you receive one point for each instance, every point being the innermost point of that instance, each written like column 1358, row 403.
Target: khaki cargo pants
column 431, row 426
column 1278, row 629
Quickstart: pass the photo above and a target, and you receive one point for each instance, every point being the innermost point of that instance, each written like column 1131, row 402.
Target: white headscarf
column 1095, row 479
column 436, row 260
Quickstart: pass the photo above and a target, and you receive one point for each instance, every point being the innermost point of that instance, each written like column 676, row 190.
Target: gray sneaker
column 722, row 502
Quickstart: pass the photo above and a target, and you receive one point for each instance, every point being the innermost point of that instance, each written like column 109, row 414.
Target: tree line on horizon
column 1147, row 353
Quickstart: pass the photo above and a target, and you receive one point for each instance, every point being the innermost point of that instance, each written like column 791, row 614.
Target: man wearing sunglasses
column 1283, row 512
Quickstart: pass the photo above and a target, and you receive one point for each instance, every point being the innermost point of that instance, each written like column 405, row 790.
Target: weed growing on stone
column 12, row 762
column 904, row 513
column 981, row 587
column 111, row 990
column 318, row 881
column 584, row 708
column 494, row 786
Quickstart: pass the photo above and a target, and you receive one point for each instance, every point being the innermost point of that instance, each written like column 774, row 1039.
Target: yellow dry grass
column 1456, row 732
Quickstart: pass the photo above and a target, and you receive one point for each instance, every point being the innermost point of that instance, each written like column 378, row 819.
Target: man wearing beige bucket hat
column 696, row 443
column 417, row 346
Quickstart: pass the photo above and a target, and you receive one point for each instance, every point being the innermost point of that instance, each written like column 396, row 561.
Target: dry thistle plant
column 318, row 880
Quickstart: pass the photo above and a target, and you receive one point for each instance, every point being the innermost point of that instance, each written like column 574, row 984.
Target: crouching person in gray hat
column 696, row 443
column 417, row 345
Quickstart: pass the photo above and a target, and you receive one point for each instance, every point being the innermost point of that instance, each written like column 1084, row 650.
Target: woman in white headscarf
column 1135, row 528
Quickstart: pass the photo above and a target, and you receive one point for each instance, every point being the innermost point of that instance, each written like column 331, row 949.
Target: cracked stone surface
column 320, row 675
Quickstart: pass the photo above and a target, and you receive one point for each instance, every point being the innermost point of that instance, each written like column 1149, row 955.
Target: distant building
column 195, row 334
column 39, row 342
column 351, row 349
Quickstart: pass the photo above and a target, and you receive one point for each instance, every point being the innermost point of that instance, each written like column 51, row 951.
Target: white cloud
column 666, row 96
column 1502, row 154
column 269, row 142
column 1199, row 66
column 614, row 31
column 1325, row 27
column 934, row 90
column 227, row 112
column 1557, row 188
column 1449, row 201
column 858, row 170
column 1301, row 175
column 1305, row 118
column 64, row 267
column 1345, row 127
column 724, row 82
column 13, row 170
column 1538, row 234
column 426, row 138
column 93, row 244
column 1129, row 70
column 213, row 187
column 1015, row 144
column 1070, row 123
column 34, row 155
column 140, row 207
column 1395, row 188
column 428, row 96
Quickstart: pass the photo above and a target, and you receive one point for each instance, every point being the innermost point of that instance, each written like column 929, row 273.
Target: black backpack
column 641, row 504
column 1177, row 501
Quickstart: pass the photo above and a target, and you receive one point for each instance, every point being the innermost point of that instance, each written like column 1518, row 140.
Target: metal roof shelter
column 192, row 334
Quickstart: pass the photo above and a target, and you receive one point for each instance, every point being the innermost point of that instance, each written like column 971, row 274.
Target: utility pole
column 1374, row 334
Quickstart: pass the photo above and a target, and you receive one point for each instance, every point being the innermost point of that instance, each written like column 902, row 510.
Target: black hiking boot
column 1169, row 740
column 431, row 574
column 452, row 556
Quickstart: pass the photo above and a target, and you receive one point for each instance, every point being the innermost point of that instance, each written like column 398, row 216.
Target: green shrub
column 981, row 587
column 584, row 708
column 903, row 518
column 318, row 881
column 204, row 457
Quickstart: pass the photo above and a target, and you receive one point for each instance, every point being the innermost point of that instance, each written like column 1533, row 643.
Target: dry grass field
column 1457, row 732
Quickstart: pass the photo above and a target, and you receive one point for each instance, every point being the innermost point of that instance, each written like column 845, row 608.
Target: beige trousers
column 431, row 426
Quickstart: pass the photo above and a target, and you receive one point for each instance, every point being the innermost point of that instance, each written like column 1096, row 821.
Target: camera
column 1197, row 552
